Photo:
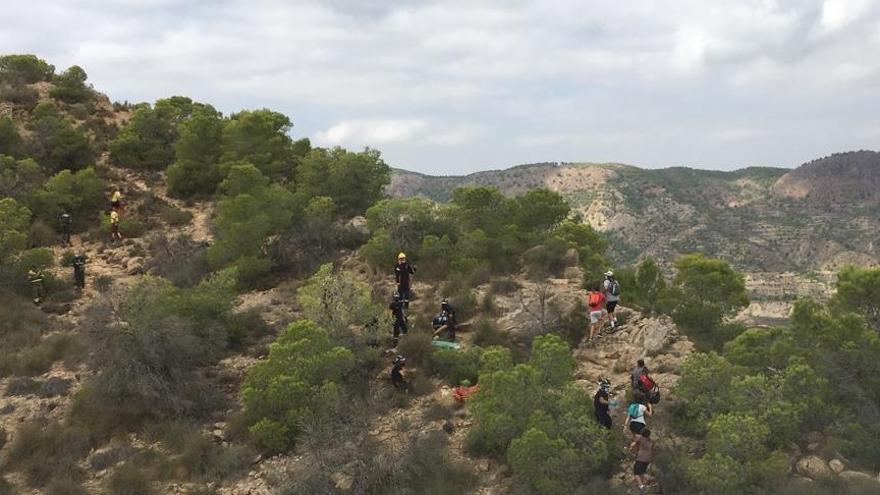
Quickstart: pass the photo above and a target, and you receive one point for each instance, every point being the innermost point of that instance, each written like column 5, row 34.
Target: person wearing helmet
column 115, row 235
column 611, row 289
column 601, row 402
column 116, row 200
column 397, row 372
column 397, row 312
column 65, row 221
column 79, row 271
column 444, row 322
column 403, row 273
column 35, row 278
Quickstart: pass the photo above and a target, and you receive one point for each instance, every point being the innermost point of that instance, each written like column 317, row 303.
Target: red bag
column 645, row 383
column 595, row 301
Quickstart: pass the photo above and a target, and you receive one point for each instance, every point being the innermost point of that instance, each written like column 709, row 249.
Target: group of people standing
column 645, row 393
column 36, row 278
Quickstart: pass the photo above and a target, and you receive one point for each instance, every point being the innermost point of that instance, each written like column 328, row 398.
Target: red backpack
column 595, row 300
column 645, row 383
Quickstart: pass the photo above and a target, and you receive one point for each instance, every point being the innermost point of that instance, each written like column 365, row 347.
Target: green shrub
column 456, row 366
column 175, row 216
column 302, row 377
column 81, row 194
column 486, row 334
column 25, row 69
column 127, row 479
column 43, row 451
column 70, row 86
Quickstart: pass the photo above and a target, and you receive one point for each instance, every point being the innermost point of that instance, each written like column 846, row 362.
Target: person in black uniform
column 79, row 271
column 403, row 273
column 397, row 372
column 65, row 221
column 444, row 323
column 399, row 326
column 601, row 402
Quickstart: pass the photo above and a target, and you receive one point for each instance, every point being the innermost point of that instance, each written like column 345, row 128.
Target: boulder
column 857, row 477
column 814, row 467
column 836, row 465
column 814, row 447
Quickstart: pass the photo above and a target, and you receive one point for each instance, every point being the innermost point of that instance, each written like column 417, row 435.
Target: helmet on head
column 609, row 273
column 396, row 296
column 401, row 256
column 399, row 359
column 444, row 302
column 605, row 384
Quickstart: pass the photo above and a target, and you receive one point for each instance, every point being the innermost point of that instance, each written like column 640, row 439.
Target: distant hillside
column 819, row 216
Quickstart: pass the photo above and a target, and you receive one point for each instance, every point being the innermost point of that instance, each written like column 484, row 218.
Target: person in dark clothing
column 444, row 323
column 65, row 221
column 79, row 271
column 601, row 402
column 403, row 273
column 397, row 373
column 397, row 312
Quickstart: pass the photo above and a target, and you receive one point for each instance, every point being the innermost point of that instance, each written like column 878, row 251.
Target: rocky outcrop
column 814, row 467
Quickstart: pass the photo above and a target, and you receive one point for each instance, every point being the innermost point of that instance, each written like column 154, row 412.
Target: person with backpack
column 444, row 322
column 595, row 301
column 647, row 386
column 65, row 221
column 635, row 415
column 35, row 278
column 643, row 447
column 636, row 372
column 601, row 402
column 403, row 273
column 399, row 326
column 397, row 373
column 79, row 271
column 611, row 290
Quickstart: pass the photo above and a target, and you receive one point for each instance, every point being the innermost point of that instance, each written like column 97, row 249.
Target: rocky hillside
column 817, row 217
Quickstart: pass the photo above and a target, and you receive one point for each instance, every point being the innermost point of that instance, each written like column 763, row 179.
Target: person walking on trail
column 35, row 278
column 595, row 301
column 397, row 373
column 635, row 415
column 116, row 201
column 611, row 290
column 601, row 402
column 643, row 447
column 399, row 315
column 64, row 222
column 79, row 271
column 115, row 235
column 403, row 273
column 636, row 372
column 444, row 323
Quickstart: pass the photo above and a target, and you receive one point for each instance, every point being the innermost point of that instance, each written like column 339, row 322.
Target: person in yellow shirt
column 115, row 235
column 116, row 200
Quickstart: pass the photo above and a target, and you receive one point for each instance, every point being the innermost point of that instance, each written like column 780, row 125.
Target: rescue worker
column 399, row 315
column 444, row 323
column 79, row 271
column 35, row 278
column 64, row 222
column 116, row 201
column 115, row 235
column 397, row 373
column 403, row 273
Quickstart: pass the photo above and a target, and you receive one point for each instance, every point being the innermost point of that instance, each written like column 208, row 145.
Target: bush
column 46, row 451
column 336, row 300
column 302, row 377
column 486, row 334
column 178, row 259
column 456, row 366
column 70, row 86
column 25, row 69
column 175, row 216
column 81, row 194
column 127, row 479
column 202, row 459
column 42, row 235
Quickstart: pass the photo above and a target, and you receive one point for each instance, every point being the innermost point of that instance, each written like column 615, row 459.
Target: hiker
column 64, row 221
column 35, row 278
column 595, row 301
column 79, row 271
column 643, row 447
column 611, row 290
column 403, row 273
column 116, row 201
column 444, row 323
column 648, row 387
column 397, row 312
column 397, row 373
column 601, row 402
column 636, row 372
column 115, row 235
column 635, row 415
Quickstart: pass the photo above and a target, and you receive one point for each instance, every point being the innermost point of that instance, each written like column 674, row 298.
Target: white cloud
column 470, row 82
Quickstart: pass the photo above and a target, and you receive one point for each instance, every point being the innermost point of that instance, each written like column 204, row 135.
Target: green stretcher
column 445, row 344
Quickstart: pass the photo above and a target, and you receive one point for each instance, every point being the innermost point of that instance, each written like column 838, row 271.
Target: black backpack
column 615, row 288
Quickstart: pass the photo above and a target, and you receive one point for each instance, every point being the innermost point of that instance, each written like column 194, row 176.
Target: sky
column 452, row 87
